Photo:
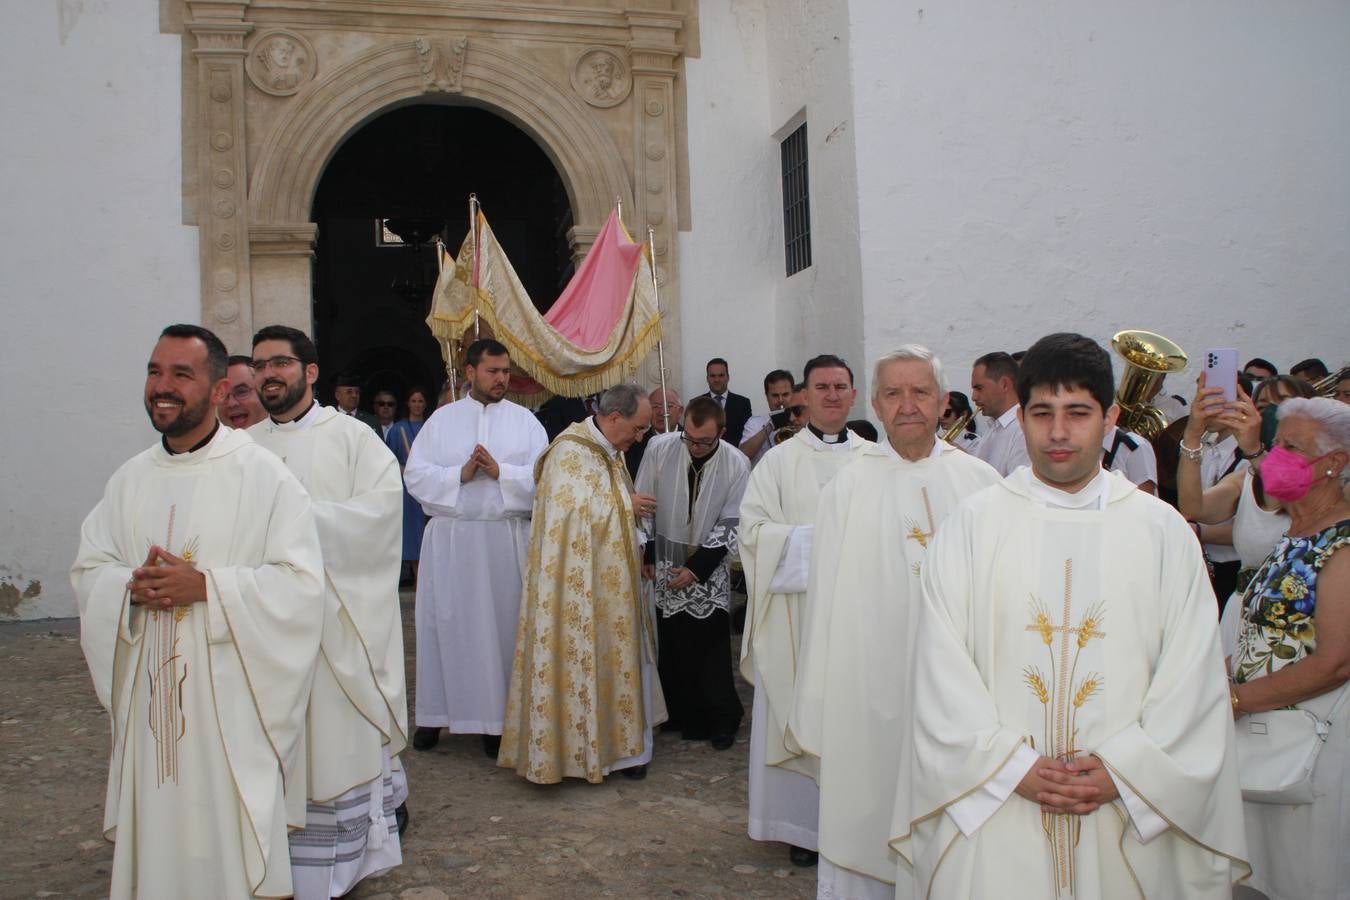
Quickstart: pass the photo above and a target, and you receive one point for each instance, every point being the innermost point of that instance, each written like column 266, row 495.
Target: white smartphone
column 1221, row 370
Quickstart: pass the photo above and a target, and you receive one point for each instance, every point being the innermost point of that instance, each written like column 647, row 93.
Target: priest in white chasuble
column 583, row 697
column 358, row 711
column 472, row 469
column 199, row 579
column 777, row 518
column 873, row 527
column 1073, row 732
column 698, row 480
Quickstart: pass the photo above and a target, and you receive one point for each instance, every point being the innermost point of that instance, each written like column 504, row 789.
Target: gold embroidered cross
column 916, row 532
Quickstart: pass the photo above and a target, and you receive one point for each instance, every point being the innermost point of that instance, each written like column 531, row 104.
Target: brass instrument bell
column 1148, row 359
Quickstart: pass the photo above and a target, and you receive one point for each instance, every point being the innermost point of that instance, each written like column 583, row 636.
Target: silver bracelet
column 1191, row 453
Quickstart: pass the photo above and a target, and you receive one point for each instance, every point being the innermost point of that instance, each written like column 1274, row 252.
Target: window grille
column 796, row 202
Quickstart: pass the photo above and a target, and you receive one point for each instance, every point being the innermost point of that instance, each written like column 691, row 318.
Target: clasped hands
column 165, row 581
column 1076, row 787
column 679, row 577
column 482, row 460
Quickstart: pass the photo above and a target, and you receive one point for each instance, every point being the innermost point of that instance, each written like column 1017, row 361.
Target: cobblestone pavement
column 477, row 831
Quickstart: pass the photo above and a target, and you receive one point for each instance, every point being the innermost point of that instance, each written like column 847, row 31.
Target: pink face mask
column 1286, row 476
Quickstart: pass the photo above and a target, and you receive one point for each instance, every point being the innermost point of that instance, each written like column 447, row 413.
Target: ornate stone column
column 653, row 50
column 219, row 29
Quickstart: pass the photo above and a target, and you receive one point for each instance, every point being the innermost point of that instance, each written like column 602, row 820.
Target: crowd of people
column 1004, row 646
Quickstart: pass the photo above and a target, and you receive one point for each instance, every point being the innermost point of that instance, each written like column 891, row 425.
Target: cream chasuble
column 777, row 513
column 207, row 701
column 579, row 702
column 1071, row 632
column 473, row 557
column 359, row 703
column 852, row 710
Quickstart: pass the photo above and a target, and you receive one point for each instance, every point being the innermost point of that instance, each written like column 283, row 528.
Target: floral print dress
column 1280, row 604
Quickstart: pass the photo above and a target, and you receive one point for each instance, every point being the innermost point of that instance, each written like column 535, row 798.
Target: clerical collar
column 164, row 442
column 1092, row 495
column 828, row 438
column 299, row 422
column 594, row 426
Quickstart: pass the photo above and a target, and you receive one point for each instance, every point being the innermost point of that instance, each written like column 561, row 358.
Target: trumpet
column 783, row 434
column 1148, row 359
column 1326, row 386
column 952, row 430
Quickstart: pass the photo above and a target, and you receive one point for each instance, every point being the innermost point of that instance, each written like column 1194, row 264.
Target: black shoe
column 723, row 740
column 426, row 738
column 492, row 743
column 800, row 856
column 401, row 817
column 637, row 773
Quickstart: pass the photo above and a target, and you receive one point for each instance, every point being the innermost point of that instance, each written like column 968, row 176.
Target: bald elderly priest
column 873, row 527
column 200, row 589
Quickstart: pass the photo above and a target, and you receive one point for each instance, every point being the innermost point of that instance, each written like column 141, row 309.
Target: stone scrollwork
column 442, row 64
column 280, row 62
column 601, row 78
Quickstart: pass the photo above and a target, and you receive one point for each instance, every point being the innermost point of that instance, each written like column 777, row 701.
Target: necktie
column 722, row 400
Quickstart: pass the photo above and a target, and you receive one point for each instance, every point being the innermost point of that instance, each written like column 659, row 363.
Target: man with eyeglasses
column 698, row 480
column 777, row 524
column 386, row 404
column 584, row 698
column 199, row 583
column 666, row 407
column 358, row 711
column 241, row 408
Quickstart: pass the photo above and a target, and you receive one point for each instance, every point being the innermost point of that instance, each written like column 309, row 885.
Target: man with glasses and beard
column 198, row 578
column 241, row 408
column 698, row 480
column 358, row 714
column 472, row 469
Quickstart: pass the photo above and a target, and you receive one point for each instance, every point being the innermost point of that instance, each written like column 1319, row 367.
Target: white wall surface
column 94, row 261
column 729, row 259
column 1028, row 168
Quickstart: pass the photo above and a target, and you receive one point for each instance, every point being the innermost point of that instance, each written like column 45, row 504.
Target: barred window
column 796, row 202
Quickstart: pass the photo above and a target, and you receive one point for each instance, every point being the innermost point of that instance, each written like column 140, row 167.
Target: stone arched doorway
column 401, row 180
column 272, row 93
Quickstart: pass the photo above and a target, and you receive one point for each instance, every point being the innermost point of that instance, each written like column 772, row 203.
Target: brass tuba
column 1148, row 359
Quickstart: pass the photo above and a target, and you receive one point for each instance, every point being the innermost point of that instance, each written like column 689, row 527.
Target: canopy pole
column 448, row 347
column 618, row 205
column 473, row 235
column 660, row 343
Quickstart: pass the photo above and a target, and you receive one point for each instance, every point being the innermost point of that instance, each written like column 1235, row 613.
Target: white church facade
column 820, row 176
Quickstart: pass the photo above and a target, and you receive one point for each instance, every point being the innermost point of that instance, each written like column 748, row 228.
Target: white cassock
column 1069, row 624
column 200, row 757
column 777, row 516
column 473, row 557
column 852, row 708
column 358, row 711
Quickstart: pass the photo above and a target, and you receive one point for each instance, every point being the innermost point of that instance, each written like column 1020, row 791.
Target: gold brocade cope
column 497, row 296
column 575, row 702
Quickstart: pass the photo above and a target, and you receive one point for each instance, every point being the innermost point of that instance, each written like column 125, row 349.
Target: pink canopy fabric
column 591, row 304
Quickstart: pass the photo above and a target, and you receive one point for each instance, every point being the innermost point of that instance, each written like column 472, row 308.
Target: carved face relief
column 601, row 78
column 280, row 62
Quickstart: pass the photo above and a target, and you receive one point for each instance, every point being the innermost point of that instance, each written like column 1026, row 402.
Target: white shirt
column 1138, row 465
column 753, row 426
column 1003, row 445
column 1215, row 457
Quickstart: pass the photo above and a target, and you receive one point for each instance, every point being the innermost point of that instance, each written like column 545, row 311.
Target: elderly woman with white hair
column 1293, row 652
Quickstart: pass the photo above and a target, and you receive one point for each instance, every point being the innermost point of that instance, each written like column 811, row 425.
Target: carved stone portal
column 318, row 74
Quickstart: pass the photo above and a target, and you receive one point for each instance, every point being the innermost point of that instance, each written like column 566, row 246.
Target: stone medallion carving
column 280, row 62
column 601, row 78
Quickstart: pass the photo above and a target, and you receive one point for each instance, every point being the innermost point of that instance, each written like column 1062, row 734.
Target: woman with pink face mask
column 1293, row 649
